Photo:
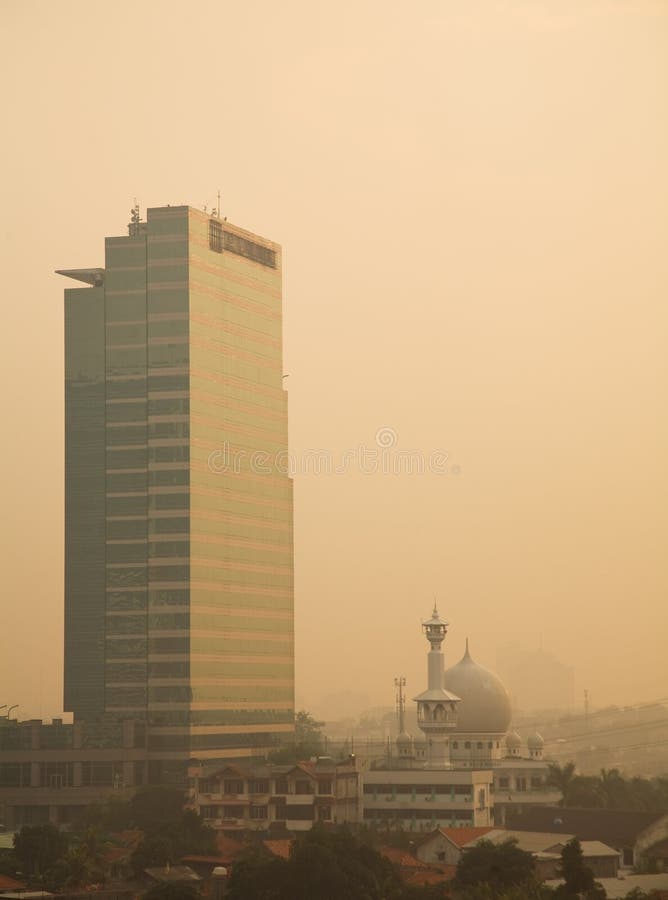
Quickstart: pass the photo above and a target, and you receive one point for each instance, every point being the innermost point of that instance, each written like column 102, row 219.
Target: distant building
column 536, row 679
column 51, row 772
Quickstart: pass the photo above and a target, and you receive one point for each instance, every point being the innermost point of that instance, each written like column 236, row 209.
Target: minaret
column 437, row 708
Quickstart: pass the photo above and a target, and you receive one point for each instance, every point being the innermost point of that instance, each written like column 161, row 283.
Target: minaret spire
column 437, row 708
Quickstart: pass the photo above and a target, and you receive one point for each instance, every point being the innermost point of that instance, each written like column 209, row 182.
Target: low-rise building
column 281, row 797
column 422, row 799
column 50, row 772
column 444, row 845
column 634, row 834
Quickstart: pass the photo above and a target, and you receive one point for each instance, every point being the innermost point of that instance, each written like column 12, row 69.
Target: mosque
column 468, row 745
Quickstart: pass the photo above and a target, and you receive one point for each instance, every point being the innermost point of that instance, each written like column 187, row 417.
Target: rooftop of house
column 531, row 841
column 617, row 828
column 621, row 886
column 461, row 836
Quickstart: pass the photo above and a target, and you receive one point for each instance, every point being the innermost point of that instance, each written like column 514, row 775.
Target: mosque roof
column 485, row 703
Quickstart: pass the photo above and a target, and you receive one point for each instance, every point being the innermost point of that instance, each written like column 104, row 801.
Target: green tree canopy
column 39, row 847
column 560, row 777
column 309, row 740
column 152, row 807
column 578, row 878
column 172, row 891
column 500, row 866
column 323, row 865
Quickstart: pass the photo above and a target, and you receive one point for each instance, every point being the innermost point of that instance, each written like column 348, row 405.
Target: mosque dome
column 404, row 739
column 485, row 704
column 513, row 740
column 535, row 742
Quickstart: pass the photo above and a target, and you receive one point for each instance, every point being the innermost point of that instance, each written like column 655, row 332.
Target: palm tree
column 561, row 777
column 615, row 789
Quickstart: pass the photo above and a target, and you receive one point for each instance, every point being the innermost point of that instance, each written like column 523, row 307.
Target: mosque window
column 479, row 745
column 455, row 745
column 490, row 745
column 467, row 745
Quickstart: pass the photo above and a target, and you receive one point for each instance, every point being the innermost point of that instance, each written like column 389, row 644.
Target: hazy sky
column 472, row 199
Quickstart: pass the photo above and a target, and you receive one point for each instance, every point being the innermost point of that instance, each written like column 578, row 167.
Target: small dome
column 535, row 742
column 485, row 704
column 404, row 739
column 513, row 740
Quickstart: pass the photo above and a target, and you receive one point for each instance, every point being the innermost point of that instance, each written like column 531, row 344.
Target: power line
column 606, row 711
column 590, row 735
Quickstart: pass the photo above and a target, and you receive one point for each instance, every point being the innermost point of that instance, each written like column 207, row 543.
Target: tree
column 309, row 740
column 615, row 789
column 257, row 875
column 578, row 878
column 152, row 807
column 154, row 850
column 172, row 891
column 323, row 865
column 561, row 777
column 585, row 792
column 173, row 838
column 39, row 847
column 500, row 866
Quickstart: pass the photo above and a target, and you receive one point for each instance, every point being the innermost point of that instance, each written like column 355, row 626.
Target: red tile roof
column 462, row 836
column 414, row 871
column 279, row 848
column 212, row 860
column 228, row 848
column 433, row 875
column 10, row 884
column 402, row 858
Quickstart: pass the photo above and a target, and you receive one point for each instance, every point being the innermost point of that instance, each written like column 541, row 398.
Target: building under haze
column 473, row 770
column 178, row 503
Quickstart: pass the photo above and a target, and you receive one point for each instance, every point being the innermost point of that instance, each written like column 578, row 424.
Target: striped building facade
column 179, row 538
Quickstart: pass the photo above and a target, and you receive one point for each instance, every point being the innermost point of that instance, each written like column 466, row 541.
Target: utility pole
column 400, row 684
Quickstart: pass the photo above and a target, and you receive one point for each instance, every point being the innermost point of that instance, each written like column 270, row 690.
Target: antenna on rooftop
column 400, row 684
column 135, row 219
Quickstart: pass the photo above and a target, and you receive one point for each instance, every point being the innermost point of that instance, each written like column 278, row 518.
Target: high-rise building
column 178, row 515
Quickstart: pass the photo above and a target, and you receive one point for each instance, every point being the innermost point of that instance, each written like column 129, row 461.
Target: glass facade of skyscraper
column 179, row 572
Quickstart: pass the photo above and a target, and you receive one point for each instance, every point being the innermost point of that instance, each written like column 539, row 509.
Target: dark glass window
column 169, row 406
column 169, row 525
column 243, row 247
column 303, row 787
column 175, row 597
column 126, row 624
column 131, row 575
column 168, row 477
column 215, row 236
column 233, row 786
column 126, row 648
column 122, row 600
column 258, row 786
column 120, row 482
column 258, row 812
column 120, row 388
